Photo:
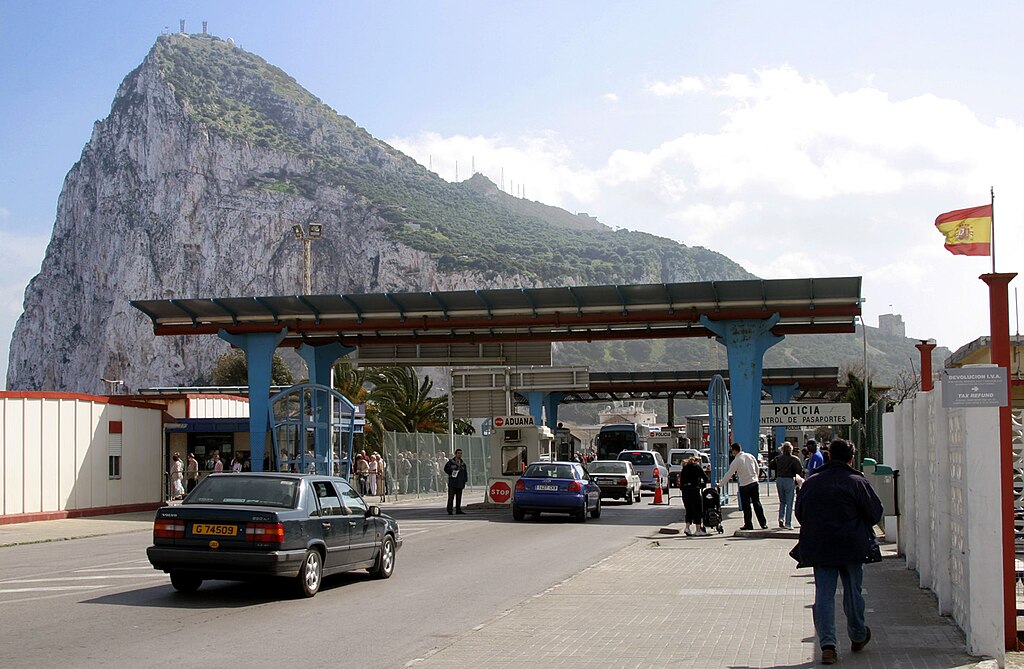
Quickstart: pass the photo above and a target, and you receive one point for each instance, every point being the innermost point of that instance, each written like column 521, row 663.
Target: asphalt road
column 97, row 602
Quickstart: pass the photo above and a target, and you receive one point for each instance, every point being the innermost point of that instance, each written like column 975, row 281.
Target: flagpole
column 992, row 196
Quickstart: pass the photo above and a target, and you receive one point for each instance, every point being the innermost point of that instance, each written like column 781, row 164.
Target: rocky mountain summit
column 191, row 186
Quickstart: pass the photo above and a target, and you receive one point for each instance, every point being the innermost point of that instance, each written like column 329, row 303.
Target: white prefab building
column 67, row 454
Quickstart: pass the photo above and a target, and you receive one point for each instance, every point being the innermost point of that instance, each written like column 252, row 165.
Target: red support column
column 999, row 322
column 926, row 348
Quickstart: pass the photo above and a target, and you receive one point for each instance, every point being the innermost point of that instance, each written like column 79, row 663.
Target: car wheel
column 581, row 515
column 596, row 512
column 183, row 582
column 517, row 513
column 307, row 583
column 385, row 565
column 638, row 494
column 629, row 496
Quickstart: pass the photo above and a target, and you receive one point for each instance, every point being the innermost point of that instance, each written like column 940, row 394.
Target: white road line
column 141, row 567
column 79, row 578
column 52, row 589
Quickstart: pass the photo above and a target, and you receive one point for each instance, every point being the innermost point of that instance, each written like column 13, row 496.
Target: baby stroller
column 712, row 503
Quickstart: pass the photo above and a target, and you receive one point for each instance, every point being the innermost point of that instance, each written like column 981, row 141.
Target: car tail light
column 656, row 473
column 265, row 533
column 520, row 485
column 574, row 486
column 165, row 528
column 621, row 482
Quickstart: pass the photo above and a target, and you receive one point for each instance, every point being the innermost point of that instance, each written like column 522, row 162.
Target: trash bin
column 867, row 466
column 884, row 479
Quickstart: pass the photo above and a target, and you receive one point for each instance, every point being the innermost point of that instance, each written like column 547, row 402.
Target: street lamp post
column 306, row 236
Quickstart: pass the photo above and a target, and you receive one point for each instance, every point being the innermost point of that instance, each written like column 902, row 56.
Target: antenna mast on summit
column 204, row 27
column 181, row 25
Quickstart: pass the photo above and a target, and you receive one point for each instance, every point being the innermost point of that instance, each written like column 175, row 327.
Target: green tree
column 231, row 369
column 405, row 404
column 360, row 386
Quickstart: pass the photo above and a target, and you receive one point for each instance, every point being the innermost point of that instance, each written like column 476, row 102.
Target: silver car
column 646, row 464
column 617, row 479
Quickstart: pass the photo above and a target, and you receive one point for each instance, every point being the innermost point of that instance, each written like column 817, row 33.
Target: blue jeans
column 825, row 603
column 787, row 490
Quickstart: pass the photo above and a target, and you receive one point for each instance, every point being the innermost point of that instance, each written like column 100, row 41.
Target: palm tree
column 361, row 386
column 405, row 403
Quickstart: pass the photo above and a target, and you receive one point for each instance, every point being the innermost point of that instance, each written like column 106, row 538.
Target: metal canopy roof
column 814, row 383
column 582, row 313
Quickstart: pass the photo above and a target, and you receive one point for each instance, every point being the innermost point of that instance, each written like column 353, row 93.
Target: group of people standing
column 369, row 473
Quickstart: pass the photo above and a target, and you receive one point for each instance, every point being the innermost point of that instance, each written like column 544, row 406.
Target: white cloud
column 681, row 86
column 610, row 97
column 793, row 178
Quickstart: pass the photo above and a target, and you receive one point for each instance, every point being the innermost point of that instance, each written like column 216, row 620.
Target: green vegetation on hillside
column 240, row 96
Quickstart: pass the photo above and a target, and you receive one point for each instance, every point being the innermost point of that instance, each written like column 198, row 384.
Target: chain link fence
column 414, row 464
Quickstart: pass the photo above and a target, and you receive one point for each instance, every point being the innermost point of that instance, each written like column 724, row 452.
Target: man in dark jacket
column 457, row 475
column 838, row 510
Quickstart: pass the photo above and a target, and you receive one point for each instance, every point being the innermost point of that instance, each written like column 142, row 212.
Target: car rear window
column 606, row 467
column 241, row 490
column 681, row 457
column 644, row 458
column 549, row 471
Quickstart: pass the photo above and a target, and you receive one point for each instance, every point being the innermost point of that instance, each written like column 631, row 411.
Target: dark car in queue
column 302, row 527
column 556, row 487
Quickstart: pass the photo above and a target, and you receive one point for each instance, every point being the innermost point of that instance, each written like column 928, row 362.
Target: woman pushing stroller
column 692, row 480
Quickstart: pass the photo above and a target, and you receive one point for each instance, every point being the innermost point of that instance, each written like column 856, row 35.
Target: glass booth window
column 513, row 460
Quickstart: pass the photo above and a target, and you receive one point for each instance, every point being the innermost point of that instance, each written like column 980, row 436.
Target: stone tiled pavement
column 671, row 601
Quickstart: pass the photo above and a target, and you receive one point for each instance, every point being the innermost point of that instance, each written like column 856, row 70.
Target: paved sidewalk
column 718, row 601
column 668, row 601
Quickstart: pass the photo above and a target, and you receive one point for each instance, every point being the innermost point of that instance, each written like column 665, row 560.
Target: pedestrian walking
column 744, row 466
column 787, row 469
column 457, row 474
column 191, row 473
column 838, row 510
column 692, row 480
column 236, row 464
column 177, row 473
column 360, row 473
column 218, row 464
column 814, row 458
column 371, row 476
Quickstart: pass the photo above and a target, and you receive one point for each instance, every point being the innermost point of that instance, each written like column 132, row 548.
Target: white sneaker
column 688, row 532
column 702, row 532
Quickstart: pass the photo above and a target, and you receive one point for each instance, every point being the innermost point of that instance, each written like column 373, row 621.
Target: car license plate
column 546, row 487
column 215, row 530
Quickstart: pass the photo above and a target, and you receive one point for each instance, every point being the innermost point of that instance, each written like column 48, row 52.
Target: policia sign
column 784, row 415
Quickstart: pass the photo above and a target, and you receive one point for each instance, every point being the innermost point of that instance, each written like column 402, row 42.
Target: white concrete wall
column 54, row 453
column 950, row 499
column 217, row 406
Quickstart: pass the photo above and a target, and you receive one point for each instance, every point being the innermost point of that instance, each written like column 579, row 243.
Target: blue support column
column 745, row 340
column 551, row 402
column 319, row 362
column 536, row 400
column 259, row 357
column 782, row 394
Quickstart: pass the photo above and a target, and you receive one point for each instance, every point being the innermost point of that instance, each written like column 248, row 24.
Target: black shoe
column 829, row 655
column 460, row 512
column 858, row 646
column 449, row 512
column 764, row 526
column 747, row 527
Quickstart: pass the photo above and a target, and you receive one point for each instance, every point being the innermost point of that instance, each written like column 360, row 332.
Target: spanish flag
column 968, row 232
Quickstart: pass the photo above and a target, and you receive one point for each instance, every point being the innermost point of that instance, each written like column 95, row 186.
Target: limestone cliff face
column 163, row 204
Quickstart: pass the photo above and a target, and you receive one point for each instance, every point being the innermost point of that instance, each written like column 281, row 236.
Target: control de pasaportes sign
column 974, row 387
column 781, row 415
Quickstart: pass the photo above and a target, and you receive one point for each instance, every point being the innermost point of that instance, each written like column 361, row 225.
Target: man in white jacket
column 744, row 467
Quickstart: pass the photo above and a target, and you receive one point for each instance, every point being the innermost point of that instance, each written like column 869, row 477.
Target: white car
column 616, row 478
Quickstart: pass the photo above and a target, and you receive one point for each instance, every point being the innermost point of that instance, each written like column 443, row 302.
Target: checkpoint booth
column 515, row 442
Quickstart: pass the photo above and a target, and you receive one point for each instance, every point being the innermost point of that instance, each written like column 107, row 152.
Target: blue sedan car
column 556, row 487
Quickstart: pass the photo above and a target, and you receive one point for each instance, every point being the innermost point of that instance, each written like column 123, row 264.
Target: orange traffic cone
column 657, row 487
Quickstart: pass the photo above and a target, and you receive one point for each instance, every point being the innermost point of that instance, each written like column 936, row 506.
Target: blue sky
column 798, row 138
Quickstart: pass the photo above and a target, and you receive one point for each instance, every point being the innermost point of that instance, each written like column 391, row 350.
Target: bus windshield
column 612, row 442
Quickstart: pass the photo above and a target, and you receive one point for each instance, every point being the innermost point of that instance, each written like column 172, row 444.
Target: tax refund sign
column 785, row 415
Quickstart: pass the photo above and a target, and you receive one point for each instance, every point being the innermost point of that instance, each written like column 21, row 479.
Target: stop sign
column 500, row 492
